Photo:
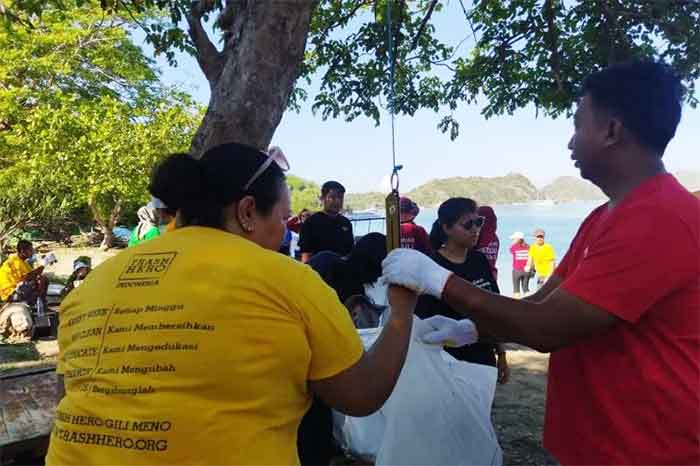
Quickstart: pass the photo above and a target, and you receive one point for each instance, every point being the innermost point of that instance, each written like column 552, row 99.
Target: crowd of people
column 219, row 344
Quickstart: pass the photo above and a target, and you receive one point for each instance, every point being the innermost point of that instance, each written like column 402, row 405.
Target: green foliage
column 304, row 194
column 83, row 119
column 21, row 204
column 523, row 52
column 539, row 52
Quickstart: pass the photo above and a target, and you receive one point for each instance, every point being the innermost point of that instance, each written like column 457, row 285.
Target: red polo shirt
column 631, row 395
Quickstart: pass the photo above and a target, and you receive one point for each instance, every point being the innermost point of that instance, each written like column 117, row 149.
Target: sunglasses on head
column 474, row 222
column 274, row 154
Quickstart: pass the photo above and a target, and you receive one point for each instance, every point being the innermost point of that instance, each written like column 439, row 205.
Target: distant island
column 510, row 189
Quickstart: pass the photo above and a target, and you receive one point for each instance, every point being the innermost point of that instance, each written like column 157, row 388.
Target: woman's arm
column 363, row 388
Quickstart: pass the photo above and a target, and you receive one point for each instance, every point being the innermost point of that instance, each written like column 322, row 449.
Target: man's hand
column 416, row 271
column 34, row 273
column 503, row 369
column 450, row 332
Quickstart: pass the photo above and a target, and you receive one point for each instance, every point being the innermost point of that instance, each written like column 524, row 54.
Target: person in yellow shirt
column 542, row 257
column 205, row 346
column 18, row 281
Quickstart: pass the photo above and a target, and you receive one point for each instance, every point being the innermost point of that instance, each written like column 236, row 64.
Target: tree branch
column 345, row 17
column 210, row 60
column 469, row 21
column 552, row 36
column 423, row 23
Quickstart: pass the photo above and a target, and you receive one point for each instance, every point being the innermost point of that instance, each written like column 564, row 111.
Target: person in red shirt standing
column 621, row 320
column 412, row 236
column 295, row 223
column 520, row 252
column 488, row 243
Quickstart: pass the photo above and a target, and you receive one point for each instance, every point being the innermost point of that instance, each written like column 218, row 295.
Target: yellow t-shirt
column 12, row 272
column 195, row 348
column 543, row 257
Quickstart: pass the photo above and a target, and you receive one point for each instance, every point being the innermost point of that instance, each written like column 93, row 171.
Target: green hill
column 571, row 188
column 499, row 190
column 509, row 189
column 364, row 201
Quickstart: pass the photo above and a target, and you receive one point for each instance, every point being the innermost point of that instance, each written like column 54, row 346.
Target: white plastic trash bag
column 439, row 412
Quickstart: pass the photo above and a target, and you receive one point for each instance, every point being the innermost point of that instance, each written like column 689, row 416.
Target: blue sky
column 359, row 153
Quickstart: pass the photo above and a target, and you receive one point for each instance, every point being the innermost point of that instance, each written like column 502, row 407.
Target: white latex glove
column 416, row 271
column 450, row 332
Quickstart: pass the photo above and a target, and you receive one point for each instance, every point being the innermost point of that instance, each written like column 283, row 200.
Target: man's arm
column 558, row 320
column 546, row 289
column 34, row 273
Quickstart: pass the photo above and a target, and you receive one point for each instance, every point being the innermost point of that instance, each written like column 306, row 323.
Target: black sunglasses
column 474, row 222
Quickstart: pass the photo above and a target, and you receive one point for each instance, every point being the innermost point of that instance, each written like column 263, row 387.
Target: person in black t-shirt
column 327, row 230
column 454, row 236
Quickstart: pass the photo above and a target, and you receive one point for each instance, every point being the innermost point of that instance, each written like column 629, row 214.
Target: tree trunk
column 106, row 224
column 252, row 78
column 107, row 239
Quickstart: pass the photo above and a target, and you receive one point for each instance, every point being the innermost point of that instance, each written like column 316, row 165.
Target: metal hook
column 395, row 178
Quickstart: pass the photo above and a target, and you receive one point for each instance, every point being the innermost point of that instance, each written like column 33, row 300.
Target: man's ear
column 615, row 132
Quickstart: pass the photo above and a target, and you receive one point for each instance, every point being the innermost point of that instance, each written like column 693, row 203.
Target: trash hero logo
column 145, row 269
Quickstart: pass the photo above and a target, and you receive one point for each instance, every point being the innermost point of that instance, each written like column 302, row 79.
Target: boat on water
column 543, row 203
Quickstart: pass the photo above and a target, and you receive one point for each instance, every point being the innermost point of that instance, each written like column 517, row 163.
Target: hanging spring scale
column 393, row 213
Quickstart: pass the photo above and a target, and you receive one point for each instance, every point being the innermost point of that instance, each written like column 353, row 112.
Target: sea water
column 560, row 223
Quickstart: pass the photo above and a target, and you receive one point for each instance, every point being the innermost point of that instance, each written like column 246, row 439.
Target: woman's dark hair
column 366, row 257
column 448, row 213
column 202, row 189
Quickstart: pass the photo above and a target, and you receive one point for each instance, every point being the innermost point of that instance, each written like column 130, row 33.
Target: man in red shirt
column 622, row 320
column 412, row 236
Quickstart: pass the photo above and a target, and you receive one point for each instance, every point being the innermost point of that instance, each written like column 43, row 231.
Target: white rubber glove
column 450, row 332
column 415, row 271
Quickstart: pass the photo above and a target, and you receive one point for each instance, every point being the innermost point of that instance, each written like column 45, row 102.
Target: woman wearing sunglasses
column 205, row 346
column 454, row 237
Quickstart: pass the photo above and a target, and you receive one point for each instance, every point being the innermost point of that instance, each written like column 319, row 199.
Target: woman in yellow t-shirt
column 204, row 346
